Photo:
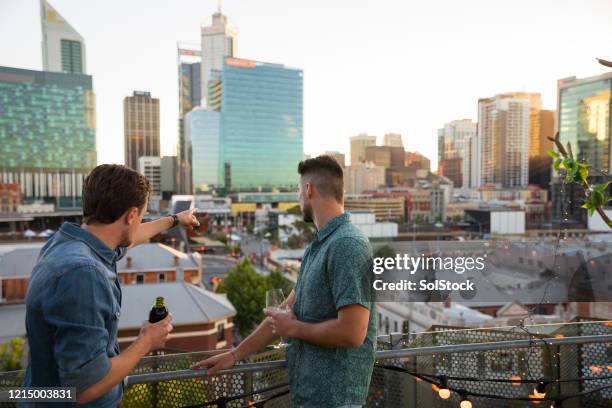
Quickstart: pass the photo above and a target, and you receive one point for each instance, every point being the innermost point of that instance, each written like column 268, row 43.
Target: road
column 215, row 267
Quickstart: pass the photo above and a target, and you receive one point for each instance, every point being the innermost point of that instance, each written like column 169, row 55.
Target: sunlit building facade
column 47, row 134
column 261, row 140
column 141, row 127
column 359, row 143
column 454, row 151
column 584, row 118
column 500, row 151
column 202, row 130
column 63, row 48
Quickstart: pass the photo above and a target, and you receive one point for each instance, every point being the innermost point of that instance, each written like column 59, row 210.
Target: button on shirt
column 334, row 273
column 72, row 314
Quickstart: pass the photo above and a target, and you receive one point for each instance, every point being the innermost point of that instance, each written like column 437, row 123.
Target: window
column 139, row 278
column 162, row 277
column 395, row 326
column 380, row 321
column 386, row 325
column 220, row 332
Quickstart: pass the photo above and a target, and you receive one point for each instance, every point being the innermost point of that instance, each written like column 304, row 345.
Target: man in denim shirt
column 331, row 326
column 74, row 298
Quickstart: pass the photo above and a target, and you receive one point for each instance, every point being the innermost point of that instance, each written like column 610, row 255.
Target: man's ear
column 131, row 215
column 309, row 189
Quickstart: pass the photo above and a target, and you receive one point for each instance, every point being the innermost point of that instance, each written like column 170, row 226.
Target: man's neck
column 323, row 215
column 104, row 234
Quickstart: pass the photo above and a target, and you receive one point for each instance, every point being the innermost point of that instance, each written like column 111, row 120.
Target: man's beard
column 125, row 240
column 307, row 213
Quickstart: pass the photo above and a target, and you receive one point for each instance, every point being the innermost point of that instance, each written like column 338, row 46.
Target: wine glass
column 274, row 302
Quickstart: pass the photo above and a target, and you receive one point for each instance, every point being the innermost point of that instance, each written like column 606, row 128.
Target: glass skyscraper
column 202, row 132
column 261, row 125
column 260, row 133
column 584, row 118
column 47, row 133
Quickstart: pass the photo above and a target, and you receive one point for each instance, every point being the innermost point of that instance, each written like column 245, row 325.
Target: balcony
column 575, row 359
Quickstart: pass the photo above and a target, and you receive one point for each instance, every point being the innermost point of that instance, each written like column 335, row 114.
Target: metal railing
column 580, row 351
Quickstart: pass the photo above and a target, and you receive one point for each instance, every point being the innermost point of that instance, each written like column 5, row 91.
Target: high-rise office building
column 189, row 61
column 202, row 130
column 500, row 151
column 417, row 161
column 218, row 43
column 540, row 163
column 337, row 156
column 47, row 134
column 363, row 176
column 385, row 156
column 393, row 139
column 168, row 176
column 584, row 112
column 260, row 127
column 150, row 167
column 63, row 48
column 358, row 147
column 454, row 141
column 141, row 127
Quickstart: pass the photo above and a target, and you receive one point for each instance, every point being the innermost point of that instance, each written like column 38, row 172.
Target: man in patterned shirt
column 331, row 327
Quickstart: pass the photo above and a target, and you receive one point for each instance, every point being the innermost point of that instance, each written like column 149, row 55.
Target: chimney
column 176, row 260
column 129, row 262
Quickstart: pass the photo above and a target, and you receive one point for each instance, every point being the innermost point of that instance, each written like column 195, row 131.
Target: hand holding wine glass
column 275, row 302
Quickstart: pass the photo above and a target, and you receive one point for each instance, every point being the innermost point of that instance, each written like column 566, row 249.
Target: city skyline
column 338, row 95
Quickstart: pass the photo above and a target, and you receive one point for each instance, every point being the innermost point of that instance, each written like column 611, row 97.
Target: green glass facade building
column 584, row 111
column 47, row 133
column 584, row 120
column 259, row 132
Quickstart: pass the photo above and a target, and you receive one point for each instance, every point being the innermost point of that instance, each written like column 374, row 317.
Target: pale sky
column 369, row 66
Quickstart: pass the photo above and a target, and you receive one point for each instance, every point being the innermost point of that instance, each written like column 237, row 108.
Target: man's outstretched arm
column 261, row 337
column 148, row 230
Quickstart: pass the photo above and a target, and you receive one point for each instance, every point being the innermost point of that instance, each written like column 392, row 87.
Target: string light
column 465, row 402
column 443, row 391
column 539, row 390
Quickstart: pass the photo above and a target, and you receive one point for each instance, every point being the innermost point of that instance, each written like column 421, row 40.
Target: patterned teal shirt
column 334, row 273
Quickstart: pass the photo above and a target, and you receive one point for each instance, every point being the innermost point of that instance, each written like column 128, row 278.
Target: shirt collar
column 73, row 230
column 331, row 226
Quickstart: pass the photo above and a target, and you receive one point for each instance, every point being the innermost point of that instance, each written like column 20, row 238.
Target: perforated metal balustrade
column 535, row 359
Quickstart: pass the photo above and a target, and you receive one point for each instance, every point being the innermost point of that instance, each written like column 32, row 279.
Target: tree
column 384, row 251
column 246, row 289
column 10, row 359
column 276, row 280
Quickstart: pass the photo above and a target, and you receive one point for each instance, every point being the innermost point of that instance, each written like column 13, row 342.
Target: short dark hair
column 110, row 190
column 328, row 177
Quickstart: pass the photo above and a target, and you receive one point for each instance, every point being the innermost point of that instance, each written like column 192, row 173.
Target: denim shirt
column 335, row 272
column 73, row 306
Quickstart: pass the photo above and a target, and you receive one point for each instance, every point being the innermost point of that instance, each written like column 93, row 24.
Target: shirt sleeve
column 349, row 267
column 78, row 310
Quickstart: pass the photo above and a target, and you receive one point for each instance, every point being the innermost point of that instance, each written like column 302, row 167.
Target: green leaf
column 553, row 154
column 597, row 198
column 585, row 165
column 584, row 173
column 591, row 211
column 556, row 164
column 602, row 187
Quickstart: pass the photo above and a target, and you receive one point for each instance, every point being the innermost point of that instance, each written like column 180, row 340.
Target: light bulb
column 444, row 393
column 465, row 404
